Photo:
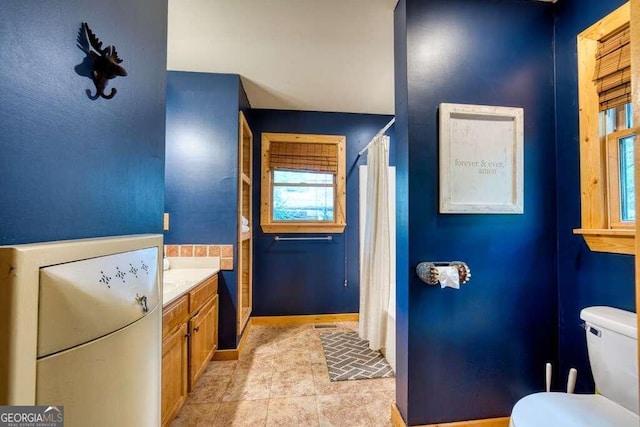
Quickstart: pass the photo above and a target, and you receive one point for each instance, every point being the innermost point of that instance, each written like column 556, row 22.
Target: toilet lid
column 570, row 410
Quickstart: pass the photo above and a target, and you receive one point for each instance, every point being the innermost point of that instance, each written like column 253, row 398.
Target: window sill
column 303, row 228
column 608, row 240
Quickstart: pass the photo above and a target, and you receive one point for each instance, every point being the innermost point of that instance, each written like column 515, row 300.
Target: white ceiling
column 314, row 55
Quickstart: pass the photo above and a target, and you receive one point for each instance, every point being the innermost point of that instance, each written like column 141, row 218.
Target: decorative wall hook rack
column 428, row 271
column 106, row 63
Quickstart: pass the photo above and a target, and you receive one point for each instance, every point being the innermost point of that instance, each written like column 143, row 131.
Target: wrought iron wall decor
column 105, row 62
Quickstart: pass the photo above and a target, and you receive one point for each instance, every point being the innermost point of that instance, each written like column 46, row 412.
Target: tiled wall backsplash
column 225, row 252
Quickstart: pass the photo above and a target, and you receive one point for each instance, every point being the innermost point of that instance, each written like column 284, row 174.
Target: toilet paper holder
column 428, row 273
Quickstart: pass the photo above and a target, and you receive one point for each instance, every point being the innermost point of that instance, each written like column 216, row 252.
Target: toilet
column 612, row 337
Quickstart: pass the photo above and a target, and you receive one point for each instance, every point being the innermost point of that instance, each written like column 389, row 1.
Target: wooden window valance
column 303, row 156
column 613, row 69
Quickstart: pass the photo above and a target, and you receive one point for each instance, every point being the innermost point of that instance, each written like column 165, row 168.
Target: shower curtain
column 375, row 278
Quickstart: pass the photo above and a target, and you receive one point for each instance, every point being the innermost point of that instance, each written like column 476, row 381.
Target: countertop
column 185, row 274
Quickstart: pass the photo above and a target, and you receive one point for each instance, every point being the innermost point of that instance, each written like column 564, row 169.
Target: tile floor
column 281, row 379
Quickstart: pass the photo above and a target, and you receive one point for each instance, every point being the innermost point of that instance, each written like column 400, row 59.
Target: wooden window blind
column 303, row 156
column 613, row 69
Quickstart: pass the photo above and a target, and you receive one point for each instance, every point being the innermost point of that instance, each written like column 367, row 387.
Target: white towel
column 245, row 221
column 246, row 229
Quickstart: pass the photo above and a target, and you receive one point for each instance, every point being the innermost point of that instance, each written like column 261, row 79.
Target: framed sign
column 481, row 159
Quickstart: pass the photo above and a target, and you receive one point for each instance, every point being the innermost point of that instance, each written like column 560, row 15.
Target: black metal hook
column 105, row 63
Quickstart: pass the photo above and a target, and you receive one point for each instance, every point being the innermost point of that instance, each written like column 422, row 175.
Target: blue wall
column 201, row 188
column 308, row 277
column 472, row 353
column 402, row 206
column 72, row 167
column 585, row 278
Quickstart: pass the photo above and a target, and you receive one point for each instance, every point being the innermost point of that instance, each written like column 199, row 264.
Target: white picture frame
column 481, row 159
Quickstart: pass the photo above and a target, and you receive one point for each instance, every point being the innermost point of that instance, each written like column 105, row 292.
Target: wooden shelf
column 245, row 241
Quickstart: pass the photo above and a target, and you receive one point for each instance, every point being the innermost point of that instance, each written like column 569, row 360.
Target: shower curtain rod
column 381, row 132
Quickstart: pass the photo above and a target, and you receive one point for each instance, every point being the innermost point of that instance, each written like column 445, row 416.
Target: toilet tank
column 612, row 337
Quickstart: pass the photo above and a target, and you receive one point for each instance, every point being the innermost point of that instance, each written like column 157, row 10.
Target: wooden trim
column 396, row 417
column 635, row 94
column 266, row 187
column 593, row 156
column 398, row 421
column 304, row 319
column 245, row 208
column 620, row 241
column 245, row 335
column 227, row 354
column 488, row 422
column 301, row 137
column 605, row 232
column 234, row 353
column 592, row 174
column 303, row 228
column 610, row 23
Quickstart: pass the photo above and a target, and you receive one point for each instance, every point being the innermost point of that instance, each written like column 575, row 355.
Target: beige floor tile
column 196, row 415
column 248, row 385
column 317, row 356
column 292, row 412
column 220, row 369
column 281, row 379
column 292, row 359
column 209, row 390
column 256, row 362
column 248, row 413
column 376, row 384
column 294, row 382
column 354, row 410
column 250, row 351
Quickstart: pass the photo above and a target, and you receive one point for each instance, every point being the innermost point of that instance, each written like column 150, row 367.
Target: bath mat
column 349, row 358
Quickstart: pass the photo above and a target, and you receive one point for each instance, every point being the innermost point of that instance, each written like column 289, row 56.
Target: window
column 617, row 125
column 606, row 135
column 303, row 183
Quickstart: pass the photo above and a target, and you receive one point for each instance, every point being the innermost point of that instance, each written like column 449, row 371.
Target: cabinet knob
column 187, row 335
column 196, row 329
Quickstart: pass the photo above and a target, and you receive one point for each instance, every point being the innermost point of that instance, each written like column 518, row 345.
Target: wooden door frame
column 635, row 96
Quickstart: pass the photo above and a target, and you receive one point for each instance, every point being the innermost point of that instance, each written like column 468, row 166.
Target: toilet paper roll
column 448, row 277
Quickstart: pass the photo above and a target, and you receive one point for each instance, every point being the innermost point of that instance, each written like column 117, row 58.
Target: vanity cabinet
column 174, row 373
column 203, row 340
column 189, row 340
column 174, row 357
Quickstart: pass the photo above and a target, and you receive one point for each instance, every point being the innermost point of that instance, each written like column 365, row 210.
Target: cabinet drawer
column 203, row 293
column 175, row 314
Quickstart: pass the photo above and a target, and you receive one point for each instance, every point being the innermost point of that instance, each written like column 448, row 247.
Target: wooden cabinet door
column 174, row 373
column 203, row 341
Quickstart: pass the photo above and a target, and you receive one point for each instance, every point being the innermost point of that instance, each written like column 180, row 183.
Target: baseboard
column 488, row 422
column 234, row 353
column 398, row 421
column 304, row 319
column 396, row 417
column 228, row 354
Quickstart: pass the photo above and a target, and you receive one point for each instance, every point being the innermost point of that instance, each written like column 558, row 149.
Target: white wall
column 313, row 55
